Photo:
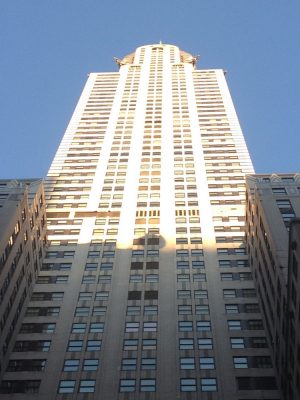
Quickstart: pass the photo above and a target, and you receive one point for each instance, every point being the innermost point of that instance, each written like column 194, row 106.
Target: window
column 255, row 324
column 130, row 344
column 226, row 276
column 152, row 253
column 207, row 363
column 186, row 344
column 71, row 365
column 256, row 383
column 101, row 310
column 106, row 266
column 182, row 253
column 205, row 343
column 188, row 385
column 187, row 363
column 183, row 294
column 90, row 364
column 137, row 253
column 147, row 385
column 94, row 254
column 32, row 345
column 87, row 386
column 150, row 326
column 185, row 326
column 85, row 296
column 75, row 345
column 198, row 264
column 20, row 386
column 26, row 365
column 66, row 386
column 202, row 309
column 237, row 343
column 133, row 310
column 88, row 279
column 103, row 296
column 96, row 327
column 182, row 264
column 104, row 279
column 78, row 328
column 258, row 342
column 91, row 266
column 261, row 362
column 132, row 326
column 280, row 190
column 200, row 294
column 240, row 362
column 199, row 277
column 208, row 384
column 45, row 296
column 38, row 328
column 134, row 295
column 127, row 385
column 151, row 295
column 148, row 363
column 42, row 311
column 197, row 252
column 82, row 311
column 229, row 293
column 93, row 345
column 136, row 278
column 151, row 277
column 234, row 325
column 231, row 308
column 203, row 326
column 149, row 344
column 184, row 310
column 225, row 263
column 150, row 310
column 128, row 364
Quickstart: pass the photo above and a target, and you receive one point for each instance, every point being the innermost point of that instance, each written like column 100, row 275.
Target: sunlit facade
column 146, row 291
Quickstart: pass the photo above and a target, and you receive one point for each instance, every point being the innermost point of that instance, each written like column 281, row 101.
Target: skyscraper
column 145, row 291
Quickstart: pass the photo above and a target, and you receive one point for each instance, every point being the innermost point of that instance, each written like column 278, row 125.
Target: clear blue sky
column 47, row 48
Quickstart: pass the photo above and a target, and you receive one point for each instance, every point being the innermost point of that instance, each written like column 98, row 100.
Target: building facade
column 146, row 284
column 22, row 243
column 273, row 202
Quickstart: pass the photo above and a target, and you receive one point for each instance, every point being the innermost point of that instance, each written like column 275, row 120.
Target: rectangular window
column 149, row 344
column 93, row 345
column 71, row 365
column 75, row 345
column 127, row 385
column 90, row 364
column 97, row 327
column 240, row 362
column 132, row 327
column 186, row 344
column 237, row 343
column 66, row 386
column 205, row 343
column 187, row 363
column 128, row 364
column 87, row 386
column 208, row 384
column 147, row 385
column 148, row 363
column 203, row 326
column 207, row 363
column 188, row 385
column 78, row 328
column 130, row 344
column 185, row 326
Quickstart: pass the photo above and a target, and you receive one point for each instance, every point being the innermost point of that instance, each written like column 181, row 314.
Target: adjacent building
column 273, row 247
column 146, row 291
column 22, row 242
